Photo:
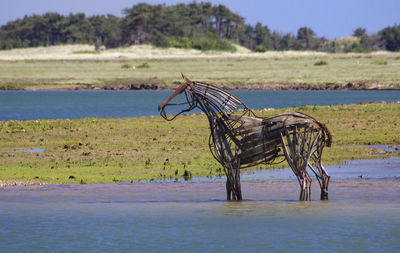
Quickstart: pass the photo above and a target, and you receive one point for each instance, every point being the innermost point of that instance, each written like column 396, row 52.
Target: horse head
column 189, row 100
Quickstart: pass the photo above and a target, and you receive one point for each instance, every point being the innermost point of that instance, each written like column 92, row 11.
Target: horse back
column 259, row 138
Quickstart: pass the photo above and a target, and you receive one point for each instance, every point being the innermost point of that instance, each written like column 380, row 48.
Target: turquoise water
column 24, row 105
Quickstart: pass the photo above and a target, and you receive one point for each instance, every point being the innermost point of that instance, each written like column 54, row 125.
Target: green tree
column 78, row 29
column 305, row 37
column 245, row 36
column 139, row 23
column 391, row 37
column 372, row 42
column 262, row 35
column 360, row 32
column 106, row 30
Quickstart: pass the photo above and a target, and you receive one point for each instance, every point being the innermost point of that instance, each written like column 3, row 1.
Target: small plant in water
column 187, row 175
column 147, row 163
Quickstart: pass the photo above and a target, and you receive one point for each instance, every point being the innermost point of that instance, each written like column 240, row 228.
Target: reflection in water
column 361, row 215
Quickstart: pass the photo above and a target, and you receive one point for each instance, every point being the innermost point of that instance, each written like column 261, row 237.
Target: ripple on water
column 361, row 215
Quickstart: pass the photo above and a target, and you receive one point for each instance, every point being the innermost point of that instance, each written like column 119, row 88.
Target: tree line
column 201, row 26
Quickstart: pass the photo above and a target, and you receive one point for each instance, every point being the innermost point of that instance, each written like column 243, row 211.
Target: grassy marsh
column 67, row 68
column 96, row 150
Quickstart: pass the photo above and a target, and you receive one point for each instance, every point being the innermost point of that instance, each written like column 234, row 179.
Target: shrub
column 213, row 44
column 180, row 42
column 185, row 42
column 320, row 63
column 260, row 49
column 160, row 40
column 126, row 66
column 356, row 47
column 143, row 66
column 380, row 62
column 86, row 52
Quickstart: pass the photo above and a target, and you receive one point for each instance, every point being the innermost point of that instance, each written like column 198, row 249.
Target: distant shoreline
column 346, row 86
column 143, row 67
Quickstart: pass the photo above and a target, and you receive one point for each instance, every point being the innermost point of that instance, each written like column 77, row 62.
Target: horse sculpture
column 241, row 139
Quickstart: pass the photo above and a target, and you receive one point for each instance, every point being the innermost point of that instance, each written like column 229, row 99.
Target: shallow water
column 362, row 215
column 39, row 150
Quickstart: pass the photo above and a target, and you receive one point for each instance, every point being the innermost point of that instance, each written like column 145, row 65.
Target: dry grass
column 77, row 52
column 71, row 52
column 67, row 67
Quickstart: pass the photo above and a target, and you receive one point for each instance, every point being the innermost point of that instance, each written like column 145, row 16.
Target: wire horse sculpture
column 240, row 139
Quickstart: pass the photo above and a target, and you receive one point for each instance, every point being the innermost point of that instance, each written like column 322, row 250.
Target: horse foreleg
column 302, row 190
column 230, row 184
column 323, row 177
column 305, row 189
column 233, row 188
column 228, row 190
column 237, row 181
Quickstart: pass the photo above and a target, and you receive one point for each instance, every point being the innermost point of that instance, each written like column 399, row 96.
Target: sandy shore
column 14, row 182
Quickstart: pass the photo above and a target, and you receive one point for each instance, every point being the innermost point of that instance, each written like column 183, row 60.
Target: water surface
column 362, row 215
column 25, row 105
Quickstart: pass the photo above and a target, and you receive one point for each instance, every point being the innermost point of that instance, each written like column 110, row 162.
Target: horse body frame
column 240, row 139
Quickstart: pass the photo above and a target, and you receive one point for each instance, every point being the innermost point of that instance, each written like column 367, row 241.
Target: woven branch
column 241, row 139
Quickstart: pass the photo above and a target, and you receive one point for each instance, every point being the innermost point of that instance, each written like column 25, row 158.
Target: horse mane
column 220, row 99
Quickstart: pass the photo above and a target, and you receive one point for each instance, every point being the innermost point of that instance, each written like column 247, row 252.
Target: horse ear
column 187, row 80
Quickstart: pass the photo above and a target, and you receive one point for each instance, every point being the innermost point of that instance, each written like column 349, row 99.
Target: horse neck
column 216, row 103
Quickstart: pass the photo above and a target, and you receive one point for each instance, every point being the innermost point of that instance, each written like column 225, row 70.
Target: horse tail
column 328, row 133
column 324, row 128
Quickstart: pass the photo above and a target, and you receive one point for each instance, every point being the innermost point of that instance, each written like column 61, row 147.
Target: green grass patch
column 86, row 52
column 144, row 65
column 219, row 71
column 96, row 150
column 320, row 63
column 126, row 66
column 380, row 62
column 206, row 44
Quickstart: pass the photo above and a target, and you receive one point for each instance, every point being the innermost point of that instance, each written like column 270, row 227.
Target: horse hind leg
column 297, row 149
column 324, row 181
column 321, row 175
column 324, row 189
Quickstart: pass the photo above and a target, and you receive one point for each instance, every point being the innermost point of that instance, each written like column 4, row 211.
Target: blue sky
column 331, row 19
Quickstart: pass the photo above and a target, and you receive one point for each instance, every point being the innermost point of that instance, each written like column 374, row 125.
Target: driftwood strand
column 240, row 139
